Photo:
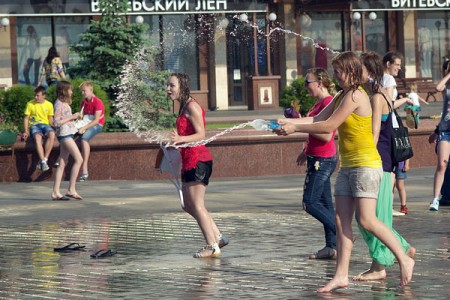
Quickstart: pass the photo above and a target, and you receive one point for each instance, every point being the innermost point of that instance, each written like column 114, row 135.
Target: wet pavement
column 271, row 238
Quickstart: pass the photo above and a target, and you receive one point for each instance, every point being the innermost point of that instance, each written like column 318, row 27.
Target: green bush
column 296, row 94
column 14, row 103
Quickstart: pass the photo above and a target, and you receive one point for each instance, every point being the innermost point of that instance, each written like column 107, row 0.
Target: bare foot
column 371, row 275
column 406, row 270
column 333, row 284
column 411, row 252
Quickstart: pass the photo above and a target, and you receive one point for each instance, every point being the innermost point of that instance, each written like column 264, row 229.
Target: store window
column 179, row 44
column 35, row 36
column 67, row 33
column 433, row 36
column 326, row 29
column 376, row 32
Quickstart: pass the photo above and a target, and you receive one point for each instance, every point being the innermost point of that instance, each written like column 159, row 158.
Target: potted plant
column 8, row 131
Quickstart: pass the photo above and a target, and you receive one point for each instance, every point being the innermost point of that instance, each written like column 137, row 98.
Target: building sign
column 408, row 4
column 91, row 7
column 386, row 5
column 170, row 5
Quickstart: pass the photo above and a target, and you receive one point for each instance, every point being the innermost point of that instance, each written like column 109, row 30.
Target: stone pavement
column 271, row 238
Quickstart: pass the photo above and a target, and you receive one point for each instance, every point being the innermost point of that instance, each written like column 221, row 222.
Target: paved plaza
column 267, row 258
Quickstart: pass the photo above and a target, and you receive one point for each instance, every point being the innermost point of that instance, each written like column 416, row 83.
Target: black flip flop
column 70, row 247
column 103, row 253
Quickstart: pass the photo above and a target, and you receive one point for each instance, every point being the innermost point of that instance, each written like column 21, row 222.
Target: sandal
column 74, row 196
column 84, row 177
column 103, row 253
column 223, row 241
column 70, row 247
column 325, row 253
column 208, row 251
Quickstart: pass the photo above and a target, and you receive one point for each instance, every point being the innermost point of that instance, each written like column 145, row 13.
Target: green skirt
column 378, row 251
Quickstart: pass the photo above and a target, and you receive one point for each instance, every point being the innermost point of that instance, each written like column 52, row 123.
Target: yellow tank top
column 356, row 145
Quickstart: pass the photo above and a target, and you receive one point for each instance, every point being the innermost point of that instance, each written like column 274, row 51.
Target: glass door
column 238, row 66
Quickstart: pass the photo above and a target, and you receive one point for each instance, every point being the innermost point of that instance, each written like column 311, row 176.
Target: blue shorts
column 42, row 129
column 91, row 132
column 444, row 136
column 62, row 138
column 400, row 174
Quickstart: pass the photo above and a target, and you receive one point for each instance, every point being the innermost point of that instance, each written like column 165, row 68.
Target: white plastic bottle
column 268, row 125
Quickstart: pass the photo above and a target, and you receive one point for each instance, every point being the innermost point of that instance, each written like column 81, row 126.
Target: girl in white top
column 392, row 62
column 64, row 121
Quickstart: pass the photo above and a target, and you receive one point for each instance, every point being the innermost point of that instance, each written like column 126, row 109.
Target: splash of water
column 134, row 102
column 210, row 139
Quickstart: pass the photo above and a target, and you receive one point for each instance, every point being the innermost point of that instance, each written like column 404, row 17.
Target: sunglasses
column 307, row 82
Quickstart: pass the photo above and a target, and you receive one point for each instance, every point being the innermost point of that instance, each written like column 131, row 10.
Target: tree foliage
column 107, row 44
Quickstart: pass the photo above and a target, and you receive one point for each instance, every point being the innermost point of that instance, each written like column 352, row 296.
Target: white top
column 415, row 98
column 389, row 81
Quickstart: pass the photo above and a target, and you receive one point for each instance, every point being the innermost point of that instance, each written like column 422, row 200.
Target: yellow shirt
column 39, row 112
column 356, row 144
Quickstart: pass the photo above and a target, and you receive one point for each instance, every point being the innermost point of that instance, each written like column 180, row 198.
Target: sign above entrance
column 187, row 6
column 144, row 7
column 400, row 5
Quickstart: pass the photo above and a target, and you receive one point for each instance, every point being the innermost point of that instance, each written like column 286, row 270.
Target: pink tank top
column 190, row 156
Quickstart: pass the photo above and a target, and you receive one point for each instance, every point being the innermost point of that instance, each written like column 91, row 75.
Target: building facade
column 238, row 53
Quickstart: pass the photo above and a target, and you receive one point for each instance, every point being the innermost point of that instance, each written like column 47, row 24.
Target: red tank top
column 190, row 156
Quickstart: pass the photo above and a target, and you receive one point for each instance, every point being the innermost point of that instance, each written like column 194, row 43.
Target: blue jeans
column 317, row 197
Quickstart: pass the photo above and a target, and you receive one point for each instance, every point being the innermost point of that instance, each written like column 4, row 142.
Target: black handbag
column 400, row 145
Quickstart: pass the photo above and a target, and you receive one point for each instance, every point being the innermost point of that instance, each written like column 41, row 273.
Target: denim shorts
column 400, row 174
column 444, row 136
column 62, row 138
column 91, row 132
column 361, row 182
column 200, row 173
column 41, row 129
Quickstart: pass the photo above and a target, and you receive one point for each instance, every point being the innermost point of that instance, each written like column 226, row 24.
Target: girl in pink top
column 319, row 154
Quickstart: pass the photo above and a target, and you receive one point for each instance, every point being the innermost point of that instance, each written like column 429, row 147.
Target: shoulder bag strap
column 389, row 105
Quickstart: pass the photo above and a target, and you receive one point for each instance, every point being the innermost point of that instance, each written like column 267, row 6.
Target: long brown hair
column 349, row 63
column 374, row 65
column 185, row 91
column 62, row 91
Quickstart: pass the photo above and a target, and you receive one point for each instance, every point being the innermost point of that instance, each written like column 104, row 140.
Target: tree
column 107, row 44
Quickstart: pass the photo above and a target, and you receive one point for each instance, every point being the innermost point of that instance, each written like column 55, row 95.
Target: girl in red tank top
column 196, row 163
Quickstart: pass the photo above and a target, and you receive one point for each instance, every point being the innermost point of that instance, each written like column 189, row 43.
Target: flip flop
column 62, row 198
column 74, row 196
column 325, row 253
column 103, row 253
column 70, row 247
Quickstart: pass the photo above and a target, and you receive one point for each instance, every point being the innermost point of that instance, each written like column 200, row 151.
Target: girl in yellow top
column 356, row 187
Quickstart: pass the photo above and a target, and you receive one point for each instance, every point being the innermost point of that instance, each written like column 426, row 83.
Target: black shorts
column 200, row 173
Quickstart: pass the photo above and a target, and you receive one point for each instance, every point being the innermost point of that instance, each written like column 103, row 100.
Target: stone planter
column 7, row 137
